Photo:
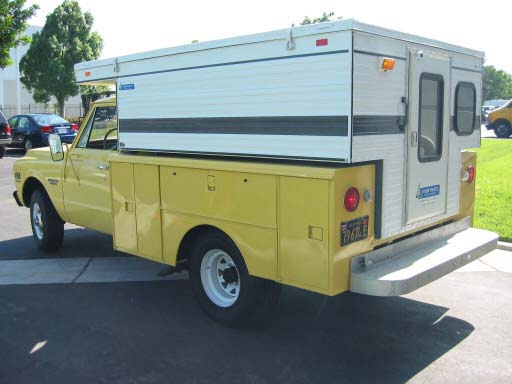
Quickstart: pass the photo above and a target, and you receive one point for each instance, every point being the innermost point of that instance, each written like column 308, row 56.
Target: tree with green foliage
column 497, row 84
column 326, row 16
column 66, row 39
column 13, row 22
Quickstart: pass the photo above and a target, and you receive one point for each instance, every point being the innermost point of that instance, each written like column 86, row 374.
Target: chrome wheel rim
column 220, row 278
column 37, row 221
column 28, row 145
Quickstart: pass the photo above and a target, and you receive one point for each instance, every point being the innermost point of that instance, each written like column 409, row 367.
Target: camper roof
column 303, row 30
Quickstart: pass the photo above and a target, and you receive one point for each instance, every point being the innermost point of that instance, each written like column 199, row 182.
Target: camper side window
column 465, row 108
column 430, row 125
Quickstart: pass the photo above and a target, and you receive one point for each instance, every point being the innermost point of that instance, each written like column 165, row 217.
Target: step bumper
column 404, row 266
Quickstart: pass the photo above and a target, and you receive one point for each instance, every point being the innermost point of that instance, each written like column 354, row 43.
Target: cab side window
column 465, row 108
column 23, row 122
column 101, row 130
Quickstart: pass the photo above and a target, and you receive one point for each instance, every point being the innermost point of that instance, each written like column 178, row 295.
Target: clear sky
column 136, row 26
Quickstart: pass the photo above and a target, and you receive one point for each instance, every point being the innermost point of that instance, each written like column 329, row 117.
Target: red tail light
column 8, row 129
column 74, row 127
column 469, row 174
column 47, row 129
column 351, row 199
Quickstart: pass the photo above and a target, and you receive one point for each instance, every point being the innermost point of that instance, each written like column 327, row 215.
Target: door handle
column 414, row 139
column 103, row 167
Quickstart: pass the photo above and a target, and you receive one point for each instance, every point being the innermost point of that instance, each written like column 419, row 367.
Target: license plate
column 62, row 130
column 354, row 230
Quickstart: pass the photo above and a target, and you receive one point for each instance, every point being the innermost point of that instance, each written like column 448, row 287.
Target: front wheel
column 47, row 226
column 223, row 286
column 503, row 130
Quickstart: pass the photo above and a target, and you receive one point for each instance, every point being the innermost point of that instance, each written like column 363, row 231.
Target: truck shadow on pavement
column 78, row 242
column 154, row 332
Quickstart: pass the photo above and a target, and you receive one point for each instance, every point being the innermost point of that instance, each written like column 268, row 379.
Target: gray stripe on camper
column 260, row 125
column 376, row 125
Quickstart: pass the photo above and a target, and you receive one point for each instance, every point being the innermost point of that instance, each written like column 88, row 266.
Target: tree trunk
column 60, row 101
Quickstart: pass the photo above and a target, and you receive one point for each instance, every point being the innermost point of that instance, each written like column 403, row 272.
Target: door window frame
column 440, row 117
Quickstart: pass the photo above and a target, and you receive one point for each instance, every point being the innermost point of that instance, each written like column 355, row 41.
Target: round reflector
column 471, row 174
column 351, row 199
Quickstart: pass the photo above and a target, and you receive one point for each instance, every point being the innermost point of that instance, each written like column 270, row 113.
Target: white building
column 14, row 97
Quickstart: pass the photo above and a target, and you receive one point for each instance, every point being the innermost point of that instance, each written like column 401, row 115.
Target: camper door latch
column 414, row 139
column 402, row 119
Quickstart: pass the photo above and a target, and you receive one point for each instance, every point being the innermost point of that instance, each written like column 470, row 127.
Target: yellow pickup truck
column 241, row 228
column 328, row 157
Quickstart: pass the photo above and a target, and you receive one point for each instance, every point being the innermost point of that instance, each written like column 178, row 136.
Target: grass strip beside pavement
column 493, row 205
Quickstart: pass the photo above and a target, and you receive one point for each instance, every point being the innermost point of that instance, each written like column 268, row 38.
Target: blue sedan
column 32, row 130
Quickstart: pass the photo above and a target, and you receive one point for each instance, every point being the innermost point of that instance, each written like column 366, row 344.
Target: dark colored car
column 29, row 131
column 5, row 134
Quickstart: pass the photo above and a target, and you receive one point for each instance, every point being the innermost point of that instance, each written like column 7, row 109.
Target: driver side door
column 87, row 175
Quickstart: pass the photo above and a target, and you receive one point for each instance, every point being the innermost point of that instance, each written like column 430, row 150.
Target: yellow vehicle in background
column 500, row 120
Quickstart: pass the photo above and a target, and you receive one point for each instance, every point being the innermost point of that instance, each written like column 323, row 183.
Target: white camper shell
column 339, row 91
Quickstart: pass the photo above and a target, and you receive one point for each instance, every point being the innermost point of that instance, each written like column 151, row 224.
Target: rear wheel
column 28, row 145
column 47, row 226
column 223, row 286
column 502, row 129
column 2, row 151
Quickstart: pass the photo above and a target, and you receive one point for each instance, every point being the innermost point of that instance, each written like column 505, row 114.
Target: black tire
column 28, row 144
column 257, row 297
column 50, row 234
column 502, row 129
column 2, row 151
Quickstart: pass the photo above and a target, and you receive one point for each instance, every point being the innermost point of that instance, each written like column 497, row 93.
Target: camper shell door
column 427, row 135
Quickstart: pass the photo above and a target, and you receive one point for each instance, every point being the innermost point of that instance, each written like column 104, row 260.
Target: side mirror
column 56, row 147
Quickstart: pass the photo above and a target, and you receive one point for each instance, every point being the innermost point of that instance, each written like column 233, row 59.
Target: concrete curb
column 505, row 246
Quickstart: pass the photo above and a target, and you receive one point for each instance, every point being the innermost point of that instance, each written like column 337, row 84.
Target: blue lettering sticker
column 430, row 191
column 126, row 87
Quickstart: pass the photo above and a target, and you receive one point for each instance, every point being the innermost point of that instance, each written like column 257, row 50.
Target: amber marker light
column 387, row 64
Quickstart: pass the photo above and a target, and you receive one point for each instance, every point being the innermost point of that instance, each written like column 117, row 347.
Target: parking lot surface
column 88, row 314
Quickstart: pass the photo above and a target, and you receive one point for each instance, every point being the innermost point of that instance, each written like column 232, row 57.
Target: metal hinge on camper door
column 402, row 120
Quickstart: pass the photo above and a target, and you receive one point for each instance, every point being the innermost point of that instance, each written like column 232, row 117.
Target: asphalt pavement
column 89, row 314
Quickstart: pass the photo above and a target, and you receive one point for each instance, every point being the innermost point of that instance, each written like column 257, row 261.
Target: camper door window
column 465, row 108
column 430, row 117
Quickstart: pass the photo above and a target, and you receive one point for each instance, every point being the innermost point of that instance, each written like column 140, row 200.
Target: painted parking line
column 82, row 270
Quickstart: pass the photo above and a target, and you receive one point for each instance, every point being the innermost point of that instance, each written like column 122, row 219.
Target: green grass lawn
column 493, row 206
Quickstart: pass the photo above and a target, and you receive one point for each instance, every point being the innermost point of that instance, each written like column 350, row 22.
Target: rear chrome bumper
column 409, row 264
